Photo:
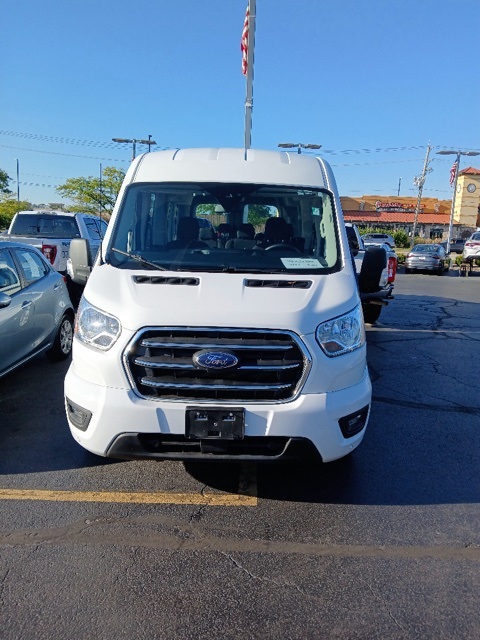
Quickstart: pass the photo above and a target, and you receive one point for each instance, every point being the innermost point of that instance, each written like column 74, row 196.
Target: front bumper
column 383, row 294
column 125, row 426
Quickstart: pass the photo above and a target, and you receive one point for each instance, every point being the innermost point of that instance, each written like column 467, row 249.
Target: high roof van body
column 242, row 338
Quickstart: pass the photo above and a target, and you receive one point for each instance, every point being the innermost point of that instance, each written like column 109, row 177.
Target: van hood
column 140, row 298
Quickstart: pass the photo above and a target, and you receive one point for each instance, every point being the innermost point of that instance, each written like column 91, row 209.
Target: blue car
column 36, row 314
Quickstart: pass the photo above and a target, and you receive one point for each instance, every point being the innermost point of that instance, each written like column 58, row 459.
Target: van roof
column 232, row 165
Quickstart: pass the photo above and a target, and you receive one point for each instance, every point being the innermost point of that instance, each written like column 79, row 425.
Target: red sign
column 398, row 207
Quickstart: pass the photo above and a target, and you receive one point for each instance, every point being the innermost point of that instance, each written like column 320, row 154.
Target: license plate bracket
column 214, row 423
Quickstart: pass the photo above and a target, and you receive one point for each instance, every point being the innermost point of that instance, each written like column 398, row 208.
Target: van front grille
column 268, row 365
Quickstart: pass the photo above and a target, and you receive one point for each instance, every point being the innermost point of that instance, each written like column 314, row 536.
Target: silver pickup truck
column 52, row 232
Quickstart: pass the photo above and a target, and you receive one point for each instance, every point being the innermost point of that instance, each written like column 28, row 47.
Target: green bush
column 400, row 236
column 401, row 239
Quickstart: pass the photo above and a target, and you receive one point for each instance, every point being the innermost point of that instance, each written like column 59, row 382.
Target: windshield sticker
column 301, row 263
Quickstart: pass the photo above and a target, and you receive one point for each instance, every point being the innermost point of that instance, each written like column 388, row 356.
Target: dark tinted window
column 46, row 226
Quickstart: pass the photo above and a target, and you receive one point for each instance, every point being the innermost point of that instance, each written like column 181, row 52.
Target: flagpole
column 249, row 89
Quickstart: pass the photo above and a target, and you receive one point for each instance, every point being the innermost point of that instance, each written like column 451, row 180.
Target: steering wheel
column 278, row 246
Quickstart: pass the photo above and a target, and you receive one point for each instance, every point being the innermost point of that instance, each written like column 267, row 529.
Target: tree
column 4, row 180
column 8, row 208
column 258, row 214
column 90, row 195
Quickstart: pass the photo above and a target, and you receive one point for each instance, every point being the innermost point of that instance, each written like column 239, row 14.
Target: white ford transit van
column 237, row 337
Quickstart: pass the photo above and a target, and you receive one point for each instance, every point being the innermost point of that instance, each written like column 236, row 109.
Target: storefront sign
column 395, row 207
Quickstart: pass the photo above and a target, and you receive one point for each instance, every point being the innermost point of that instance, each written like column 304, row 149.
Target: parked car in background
column 427, row 257
column 457, row 245
column 36, row 314
column 472, row 246
column 378, row 239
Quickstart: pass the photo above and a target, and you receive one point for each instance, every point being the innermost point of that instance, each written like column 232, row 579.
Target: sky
column 373, row 81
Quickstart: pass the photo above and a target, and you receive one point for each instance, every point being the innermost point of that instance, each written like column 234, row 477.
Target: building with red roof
column 433, row 220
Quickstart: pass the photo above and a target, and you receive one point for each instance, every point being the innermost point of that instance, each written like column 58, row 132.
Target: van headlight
column 96, row 328
column 343, row 334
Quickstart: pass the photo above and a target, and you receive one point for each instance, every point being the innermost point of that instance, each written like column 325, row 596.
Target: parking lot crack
column 441, row 408
column 378, row 596
column 277, row 583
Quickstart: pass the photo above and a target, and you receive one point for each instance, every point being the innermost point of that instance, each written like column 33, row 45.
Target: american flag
column 244, row 43
column 453, row 172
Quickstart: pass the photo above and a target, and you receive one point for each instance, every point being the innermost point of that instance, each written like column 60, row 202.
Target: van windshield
column 223, row 227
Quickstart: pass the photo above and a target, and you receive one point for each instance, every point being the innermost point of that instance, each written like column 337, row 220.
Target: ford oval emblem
column 215, row 359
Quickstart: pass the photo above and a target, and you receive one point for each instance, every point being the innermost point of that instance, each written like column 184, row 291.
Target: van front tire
column 371, row 312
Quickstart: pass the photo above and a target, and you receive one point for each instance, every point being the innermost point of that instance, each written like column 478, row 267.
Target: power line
column 110, row 145
column 58, row 153
column 58, row 139
column 363, row 164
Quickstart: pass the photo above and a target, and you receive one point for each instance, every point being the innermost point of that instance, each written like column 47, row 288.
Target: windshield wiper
column 139, row 259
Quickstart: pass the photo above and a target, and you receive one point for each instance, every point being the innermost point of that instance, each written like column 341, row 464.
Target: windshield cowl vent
column 279, row 284
column 192, row 282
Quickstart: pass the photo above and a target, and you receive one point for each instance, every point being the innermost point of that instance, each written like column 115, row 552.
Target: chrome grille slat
column 272, row 365
column 212, row 345
column 214, row 386
column 155, row 364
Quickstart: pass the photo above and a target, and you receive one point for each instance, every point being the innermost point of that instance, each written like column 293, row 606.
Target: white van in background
column 249, row 345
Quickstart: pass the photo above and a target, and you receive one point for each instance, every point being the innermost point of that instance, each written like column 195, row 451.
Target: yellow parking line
column 211, row 499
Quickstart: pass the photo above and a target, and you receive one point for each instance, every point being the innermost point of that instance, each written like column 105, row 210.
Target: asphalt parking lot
column 384, row 544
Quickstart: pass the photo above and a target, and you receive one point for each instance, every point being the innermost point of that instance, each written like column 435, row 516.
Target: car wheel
column 371, row 312
column 440, row 271
column 62, row 346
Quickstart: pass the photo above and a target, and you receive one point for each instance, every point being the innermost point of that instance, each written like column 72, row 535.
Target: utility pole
column 419, row 181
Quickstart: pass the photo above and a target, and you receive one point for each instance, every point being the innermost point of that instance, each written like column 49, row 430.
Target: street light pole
column 134, row 141
column 298, row 145
column 457, row 161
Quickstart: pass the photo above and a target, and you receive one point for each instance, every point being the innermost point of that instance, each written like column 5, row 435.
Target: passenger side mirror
column 80, row 260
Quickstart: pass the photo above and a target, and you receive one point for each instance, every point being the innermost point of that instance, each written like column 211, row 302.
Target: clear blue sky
column 372, row 81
